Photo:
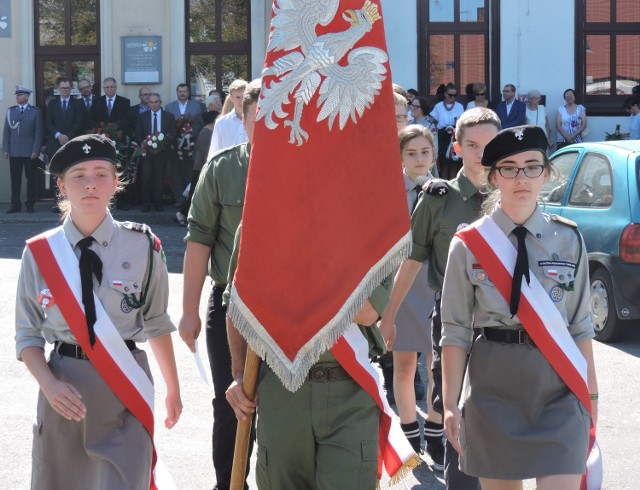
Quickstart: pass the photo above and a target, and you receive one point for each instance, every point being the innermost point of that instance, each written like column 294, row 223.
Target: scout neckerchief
column 109, row 355
column 537, row 313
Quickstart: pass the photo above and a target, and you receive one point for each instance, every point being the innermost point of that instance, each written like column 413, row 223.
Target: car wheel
column 607, row 325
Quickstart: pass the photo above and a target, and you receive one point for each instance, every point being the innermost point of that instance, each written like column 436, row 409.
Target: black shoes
column 13, row 209
column 433, row 434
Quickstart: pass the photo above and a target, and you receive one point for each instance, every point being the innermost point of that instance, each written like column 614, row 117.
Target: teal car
column 597, row 186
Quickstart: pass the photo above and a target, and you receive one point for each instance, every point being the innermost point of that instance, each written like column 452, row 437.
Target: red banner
column 325, row 217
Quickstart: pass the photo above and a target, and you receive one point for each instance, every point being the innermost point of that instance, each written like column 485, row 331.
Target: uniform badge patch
column 124, row 306
column 45, row 299
column 556, row 294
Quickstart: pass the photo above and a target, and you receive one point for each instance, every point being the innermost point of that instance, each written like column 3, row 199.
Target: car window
column 592, row 186
column 553, row 190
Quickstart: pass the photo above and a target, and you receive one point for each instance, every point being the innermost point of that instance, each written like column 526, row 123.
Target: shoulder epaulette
column 559, row 219
column 142, row 228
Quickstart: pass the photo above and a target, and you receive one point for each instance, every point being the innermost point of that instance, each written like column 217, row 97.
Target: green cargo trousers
column 324, row 436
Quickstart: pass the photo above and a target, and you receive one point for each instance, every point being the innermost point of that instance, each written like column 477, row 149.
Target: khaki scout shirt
column 216, row 207
column 379, row 299
column 436, row 219
column 557, row 258
column 125, row 267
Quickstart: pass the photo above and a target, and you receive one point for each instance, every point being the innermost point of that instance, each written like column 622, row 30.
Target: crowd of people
column 444, row 300
column 157, row 145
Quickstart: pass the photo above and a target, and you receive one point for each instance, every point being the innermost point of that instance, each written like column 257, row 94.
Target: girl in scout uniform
column 519, row 420
column 413, row 321
column 85, row 436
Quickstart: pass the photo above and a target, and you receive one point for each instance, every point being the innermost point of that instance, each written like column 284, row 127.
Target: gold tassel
column 411, row 464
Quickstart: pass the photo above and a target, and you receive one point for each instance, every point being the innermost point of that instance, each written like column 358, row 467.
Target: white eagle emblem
column 312, row 65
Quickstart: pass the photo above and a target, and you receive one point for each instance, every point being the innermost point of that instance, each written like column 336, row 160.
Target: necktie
column 155, row 122
column 21, row 110
column 418, row 190
column 109, row 106
column 90, row 265
column 87, row 102
column 64, row 106
column 521, row 269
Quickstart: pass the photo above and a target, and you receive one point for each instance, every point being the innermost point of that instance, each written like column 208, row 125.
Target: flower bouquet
column 155, row 143
column 185, row 145
column 114, row 133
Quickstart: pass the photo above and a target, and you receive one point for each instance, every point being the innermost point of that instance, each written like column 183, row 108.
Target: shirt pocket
column 558, row 280
column 479, row 276
column 124, row 294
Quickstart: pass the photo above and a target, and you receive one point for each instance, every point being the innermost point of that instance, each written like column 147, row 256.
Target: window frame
column 599, row 105
column 457, row 28
column 217, row 48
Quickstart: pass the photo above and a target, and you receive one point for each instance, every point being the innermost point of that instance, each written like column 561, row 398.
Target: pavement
column 185, row 450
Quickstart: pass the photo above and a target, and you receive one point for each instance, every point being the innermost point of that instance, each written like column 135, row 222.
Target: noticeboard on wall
column 141, row 59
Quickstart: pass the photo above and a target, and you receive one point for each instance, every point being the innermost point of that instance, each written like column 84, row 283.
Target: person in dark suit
column 138, row 109
column 22, row 139
column 183, row 106
column 87, row 98
column 64, row 119
column 111, row 107
column 154, row 163
column 511, row 111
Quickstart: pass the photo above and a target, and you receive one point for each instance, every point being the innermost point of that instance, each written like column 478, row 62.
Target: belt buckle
column 80, row 353
column 523, row 336
column 319, row 373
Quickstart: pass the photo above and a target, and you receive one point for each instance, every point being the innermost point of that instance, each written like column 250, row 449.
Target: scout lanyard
column 109, row 355
column 537, row 313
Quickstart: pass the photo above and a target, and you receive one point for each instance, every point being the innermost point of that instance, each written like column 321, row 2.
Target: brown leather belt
column 73, row 350
column 322, row 372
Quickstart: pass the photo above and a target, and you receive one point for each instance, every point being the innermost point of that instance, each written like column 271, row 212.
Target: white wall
column 401, row 30
column 537, row 39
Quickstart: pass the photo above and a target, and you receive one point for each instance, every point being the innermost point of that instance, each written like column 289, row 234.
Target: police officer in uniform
column 22, row 139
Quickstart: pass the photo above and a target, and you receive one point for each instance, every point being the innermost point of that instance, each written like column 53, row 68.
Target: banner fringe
column 411, row 464
column 293, row 373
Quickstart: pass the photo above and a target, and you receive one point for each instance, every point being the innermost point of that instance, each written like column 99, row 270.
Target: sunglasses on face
column 478, row 94
column 451, row 95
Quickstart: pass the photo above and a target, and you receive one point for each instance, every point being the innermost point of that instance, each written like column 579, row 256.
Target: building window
column 67, row 34
column 608, row 47
column 456, row 44
column 218, row 44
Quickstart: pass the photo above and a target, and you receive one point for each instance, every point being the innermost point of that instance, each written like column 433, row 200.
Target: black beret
column 514, row 140
column 82, row 149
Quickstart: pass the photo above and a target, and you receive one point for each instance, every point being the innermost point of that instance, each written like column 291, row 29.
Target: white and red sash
column 110, row 356
column 395, row 453
column 538, row 315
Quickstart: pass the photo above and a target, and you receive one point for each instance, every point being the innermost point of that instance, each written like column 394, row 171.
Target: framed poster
column 141, row 59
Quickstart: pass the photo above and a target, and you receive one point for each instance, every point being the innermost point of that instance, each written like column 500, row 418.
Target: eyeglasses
column 401, row 117
column 478, row 94
column 530, row 171
column 451, row 95
column 414, row 105
column 64, row 88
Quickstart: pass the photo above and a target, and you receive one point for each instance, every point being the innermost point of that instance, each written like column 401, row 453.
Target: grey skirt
column 413, row 321
column 519, row 419
column 109, row 449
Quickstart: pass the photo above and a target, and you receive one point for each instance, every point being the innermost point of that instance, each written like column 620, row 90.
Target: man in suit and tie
column 154, row 163
column 111, row 107
column 87, row 98
column 22, row 139
column 181, row 172
column 138, row 109
column 64, row 119
column 511, row 111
